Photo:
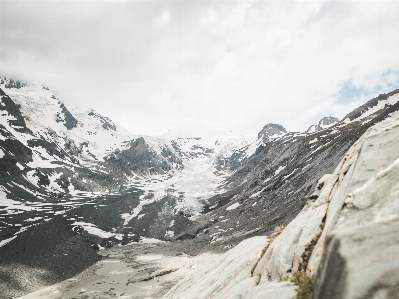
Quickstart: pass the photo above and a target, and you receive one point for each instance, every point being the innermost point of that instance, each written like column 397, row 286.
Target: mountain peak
column 271, row 130
column 328, row 121
column 107, row 123
column 324, row 123
column 10, row 83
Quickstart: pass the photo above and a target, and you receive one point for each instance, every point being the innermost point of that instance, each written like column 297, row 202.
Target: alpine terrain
column 90, row 210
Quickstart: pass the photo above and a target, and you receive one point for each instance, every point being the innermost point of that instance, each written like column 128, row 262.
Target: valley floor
column 125, row 271
column 140, row 270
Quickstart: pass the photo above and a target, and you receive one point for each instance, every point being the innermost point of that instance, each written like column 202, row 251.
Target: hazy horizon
column 204, row 67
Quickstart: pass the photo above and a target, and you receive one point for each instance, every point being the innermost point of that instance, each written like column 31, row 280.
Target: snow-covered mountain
column 64, row 158
column 271, row 131
column 324, row 123
column 343, row 244
column 81, row 178
column 84, row 134
column 270, row 187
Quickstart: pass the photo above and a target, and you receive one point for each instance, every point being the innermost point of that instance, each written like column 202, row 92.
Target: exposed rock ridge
column 139, row 158
column 272, row 186
column 66, row 117
column 15, row 119
column 107, row 123
column 10, row 83
column 358, row 247
column 345, row 238
column 270, row 130
column 324, row 123
column 371, row 103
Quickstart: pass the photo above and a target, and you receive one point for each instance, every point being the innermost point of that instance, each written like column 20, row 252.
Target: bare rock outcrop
column 345, row 241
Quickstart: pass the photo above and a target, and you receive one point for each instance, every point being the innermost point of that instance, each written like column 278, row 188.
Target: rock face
column 324, row 123
column 271, row 131
column 107, row 123
column 12, row 113
column 138, row 158
column 231, row 277
column 67, row 118
column 358, row 248
column 345, row 239
column 270, row 187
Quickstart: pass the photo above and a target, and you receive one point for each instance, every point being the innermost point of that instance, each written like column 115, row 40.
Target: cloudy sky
column 155, row 66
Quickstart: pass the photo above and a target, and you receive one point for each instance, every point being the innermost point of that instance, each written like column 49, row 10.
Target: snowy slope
column 58, row 160
column 324, row 123
column 84, row 136
column 373, row 107
column 47, row 117
column 216, row 148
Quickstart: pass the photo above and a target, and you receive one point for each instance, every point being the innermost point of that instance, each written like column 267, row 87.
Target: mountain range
column 73, row 182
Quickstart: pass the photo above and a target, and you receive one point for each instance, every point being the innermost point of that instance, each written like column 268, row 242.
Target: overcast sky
column 155, row 66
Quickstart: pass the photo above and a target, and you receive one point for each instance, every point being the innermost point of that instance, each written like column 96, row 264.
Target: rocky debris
column 156, row 218
column 43, row 255
column 344, row 239
column 192, row 231
column 149, row 274
column 109, row 277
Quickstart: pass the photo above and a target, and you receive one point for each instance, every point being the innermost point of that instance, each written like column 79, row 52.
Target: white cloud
column 225, row 65
column 165, row 18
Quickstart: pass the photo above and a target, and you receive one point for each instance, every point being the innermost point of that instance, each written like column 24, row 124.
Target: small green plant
column 279, row 228
column 310, row 247
column 277, row 231
column 305, row 285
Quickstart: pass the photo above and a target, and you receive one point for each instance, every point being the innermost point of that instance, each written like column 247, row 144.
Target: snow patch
column 92, row 229
column 280, row 169
column 6, row 241
column 233, row 206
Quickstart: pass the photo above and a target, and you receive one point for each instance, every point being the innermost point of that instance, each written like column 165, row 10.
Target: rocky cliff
column 270, row 187
column 343, row 244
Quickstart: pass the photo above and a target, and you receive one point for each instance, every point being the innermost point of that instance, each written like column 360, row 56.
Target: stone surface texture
column 357, row 254
column 231, row 277
column 345, row 238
